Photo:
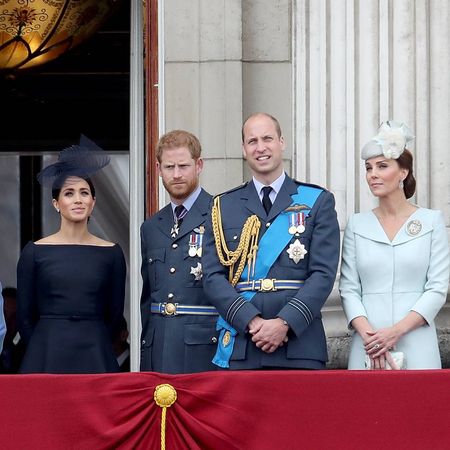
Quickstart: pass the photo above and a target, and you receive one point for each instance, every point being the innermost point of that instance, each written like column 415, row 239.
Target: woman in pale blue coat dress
column 395, row 263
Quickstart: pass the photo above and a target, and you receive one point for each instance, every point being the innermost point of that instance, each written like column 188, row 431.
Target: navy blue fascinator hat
column 80, row 160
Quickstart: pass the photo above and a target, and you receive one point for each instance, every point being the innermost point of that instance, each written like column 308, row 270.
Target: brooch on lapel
column 413, row 227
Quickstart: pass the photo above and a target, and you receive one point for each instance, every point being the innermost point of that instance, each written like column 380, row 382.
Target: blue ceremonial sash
column 272, row 243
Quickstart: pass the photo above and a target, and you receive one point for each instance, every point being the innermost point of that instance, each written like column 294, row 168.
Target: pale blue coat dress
column 383, row 280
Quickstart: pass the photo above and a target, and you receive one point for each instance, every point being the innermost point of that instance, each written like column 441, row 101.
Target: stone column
column 203, row 83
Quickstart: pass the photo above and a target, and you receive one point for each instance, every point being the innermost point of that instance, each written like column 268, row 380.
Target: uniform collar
column 189, row 201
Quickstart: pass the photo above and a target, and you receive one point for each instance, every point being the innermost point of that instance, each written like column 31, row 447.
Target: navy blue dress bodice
column 70, row 301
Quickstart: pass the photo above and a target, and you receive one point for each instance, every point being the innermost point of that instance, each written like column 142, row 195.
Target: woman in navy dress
column 71, row 284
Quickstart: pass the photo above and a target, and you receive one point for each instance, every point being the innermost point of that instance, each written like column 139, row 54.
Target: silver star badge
column 297, row 251
column 197, row 272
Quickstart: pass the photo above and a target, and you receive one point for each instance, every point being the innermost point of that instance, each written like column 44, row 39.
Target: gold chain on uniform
column 246, row 250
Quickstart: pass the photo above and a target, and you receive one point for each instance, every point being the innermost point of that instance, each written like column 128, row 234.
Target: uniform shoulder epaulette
column 232, row 190
column 302, row 183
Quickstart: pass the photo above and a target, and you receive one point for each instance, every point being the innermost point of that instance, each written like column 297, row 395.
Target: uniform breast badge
column 197, row 272
column 413, row 227
column 297, row 251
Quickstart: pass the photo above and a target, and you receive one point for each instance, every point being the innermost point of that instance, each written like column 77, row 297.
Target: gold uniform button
column 170, row 309
column 172, row 270
column 174, row 245
column 170, row 296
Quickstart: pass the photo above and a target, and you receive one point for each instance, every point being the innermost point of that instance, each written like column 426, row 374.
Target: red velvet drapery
column 228, row 410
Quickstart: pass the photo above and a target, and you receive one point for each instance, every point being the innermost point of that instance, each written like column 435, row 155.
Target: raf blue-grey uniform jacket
column 174, row 343
column 301, row 308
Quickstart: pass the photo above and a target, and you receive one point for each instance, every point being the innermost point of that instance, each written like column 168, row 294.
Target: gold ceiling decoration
column 33, row 32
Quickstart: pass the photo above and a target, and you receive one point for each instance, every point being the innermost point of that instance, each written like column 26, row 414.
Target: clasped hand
column 268, row 334
column 377, row 345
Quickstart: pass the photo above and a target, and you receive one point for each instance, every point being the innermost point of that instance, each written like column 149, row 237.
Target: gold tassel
column 165, row 396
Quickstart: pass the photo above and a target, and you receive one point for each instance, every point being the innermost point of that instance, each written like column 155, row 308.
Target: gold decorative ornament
column 226, row 338
column 267, row 285
column 170, row 309
column 165, row 396
column 246, row 250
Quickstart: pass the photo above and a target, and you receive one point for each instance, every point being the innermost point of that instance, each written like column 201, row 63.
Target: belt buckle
column 267, row 285
column 170, row 309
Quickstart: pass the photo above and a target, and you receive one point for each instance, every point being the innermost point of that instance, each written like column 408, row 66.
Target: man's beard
column 176, row 194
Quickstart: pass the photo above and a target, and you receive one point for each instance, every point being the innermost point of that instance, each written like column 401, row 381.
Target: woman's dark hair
column 58, row 184
column 405, row 161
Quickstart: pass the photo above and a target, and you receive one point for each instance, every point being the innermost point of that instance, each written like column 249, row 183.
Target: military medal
column 197, row 272
column 296, row 223
column 200, row 243
column 193, row 245
column 413, row 227
column 301, row 222
column 296, row 251
column 292, row 225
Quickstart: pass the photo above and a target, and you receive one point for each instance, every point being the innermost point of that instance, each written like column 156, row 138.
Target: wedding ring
column 376, row 346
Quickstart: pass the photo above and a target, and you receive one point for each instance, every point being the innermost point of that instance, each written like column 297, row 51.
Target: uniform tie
column 267, row 203
column 180, row 212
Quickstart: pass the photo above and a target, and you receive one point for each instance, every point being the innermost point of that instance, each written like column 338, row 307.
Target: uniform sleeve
column 305, row 306
column 146, row 288
column 231, row 306
column 349, row 283
column 27, row 308
column 436, row 286
column 117, row 299
column 2, row 321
